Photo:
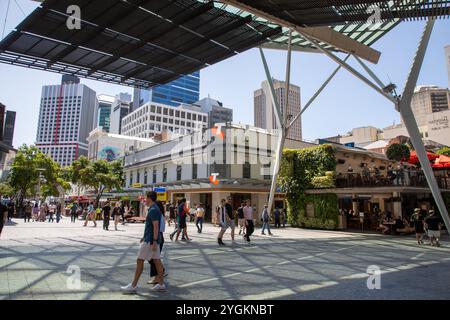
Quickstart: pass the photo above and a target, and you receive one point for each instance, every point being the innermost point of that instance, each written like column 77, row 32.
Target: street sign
column 160, row 190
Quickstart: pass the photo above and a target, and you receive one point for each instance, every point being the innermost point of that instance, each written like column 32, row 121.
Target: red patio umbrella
column 413, row 159
column 442, row 162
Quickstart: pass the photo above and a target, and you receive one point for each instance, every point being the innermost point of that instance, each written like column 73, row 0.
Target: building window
column 179, row 172
column 145, row 177
column 246, row 171
column 154, row 175
column 164, row 174
column 131, row 178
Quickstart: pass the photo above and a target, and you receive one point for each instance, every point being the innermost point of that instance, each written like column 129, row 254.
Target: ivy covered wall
column 307, row 169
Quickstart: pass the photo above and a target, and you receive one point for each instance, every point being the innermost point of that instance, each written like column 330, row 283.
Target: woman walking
column 116, row 215
column 35, row 212
column 90, row 215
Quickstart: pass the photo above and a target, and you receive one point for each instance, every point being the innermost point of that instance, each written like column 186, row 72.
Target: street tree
column 444, row 151
column 98, row 175
column 398, row 152
column 32, row 170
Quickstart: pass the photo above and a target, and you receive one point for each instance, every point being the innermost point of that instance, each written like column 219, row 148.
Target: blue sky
column 347, row 102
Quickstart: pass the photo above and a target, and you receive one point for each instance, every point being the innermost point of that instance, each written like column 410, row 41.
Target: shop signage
column 161, row 193
column 137, row 185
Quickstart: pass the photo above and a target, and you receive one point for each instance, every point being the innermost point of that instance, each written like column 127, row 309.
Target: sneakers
column 129, row 289
column 262, row 233
column 171, row 237
column 220, row 242
column 159, row 287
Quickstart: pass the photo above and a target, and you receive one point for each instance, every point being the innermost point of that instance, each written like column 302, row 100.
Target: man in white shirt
column 249, row 224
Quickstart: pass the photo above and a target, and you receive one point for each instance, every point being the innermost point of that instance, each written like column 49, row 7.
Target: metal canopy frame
column 402, row 104
column 140, row 43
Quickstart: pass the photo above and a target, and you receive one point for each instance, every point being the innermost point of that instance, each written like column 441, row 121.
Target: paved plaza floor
column 292, row 264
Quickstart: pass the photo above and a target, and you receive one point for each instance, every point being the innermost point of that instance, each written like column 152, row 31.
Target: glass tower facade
column 104, row 115
column 185, row 89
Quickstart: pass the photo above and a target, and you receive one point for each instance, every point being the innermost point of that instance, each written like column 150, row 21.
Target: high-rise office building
column 105, row 104
column 217, row 113
column 447, row 59
column 120, row 108
column 65, row 119
column 264, row 115
column 8, row 128
column 184, row 90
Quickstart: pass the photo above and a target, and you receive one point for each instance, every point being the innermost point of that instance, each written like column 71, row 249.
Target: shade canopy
column 139, row 43
column 143, row 43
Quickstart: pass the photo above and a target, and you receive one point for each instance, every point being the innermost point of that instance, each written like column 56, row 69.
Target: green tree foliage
column 6, row 189
column 97, row 175
column 32, row 168
column 307, row 169
column 444, row 151
column 398, row 152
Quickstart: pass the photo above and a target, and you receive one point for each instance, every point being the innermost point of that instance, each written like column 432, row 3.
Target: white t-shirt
column 200, row 212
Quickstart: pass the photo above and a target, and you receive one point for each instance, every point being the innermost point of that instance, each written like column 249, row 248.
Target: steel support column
column 404, row 106
column 281, row 120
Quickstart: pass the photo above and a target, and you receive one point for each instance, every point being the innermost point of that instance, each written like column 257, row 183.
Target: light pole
column 40, row 170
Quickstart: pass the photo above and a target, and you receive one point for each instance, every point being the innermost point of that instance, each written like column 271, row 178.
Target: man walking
column 73, row 212
column 276, row 215
column 433, row 225
column 28, row 210
column 150, row 246
column 265, row 218
column 200, row 215
column 417, row 222
column 231, row 216
column 249, row 224
column 106, row 216
column 58, row 212
column 223, row 221
column 10, row 211
column 241, row 219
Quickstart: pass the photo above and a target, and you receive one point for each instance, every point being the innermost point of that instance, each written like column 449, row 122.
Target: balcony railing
column 416, row 179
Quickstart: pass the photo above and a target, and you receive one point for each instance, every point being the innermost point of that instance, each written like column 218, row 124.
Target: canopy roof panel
column 314, row 13
column 351, row 17
column 139, row 43
column 143, row 43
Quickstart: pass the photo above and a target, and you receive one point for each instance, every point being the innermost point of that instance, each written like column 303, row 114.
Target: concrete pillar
column 355, row 205
column 397, row 207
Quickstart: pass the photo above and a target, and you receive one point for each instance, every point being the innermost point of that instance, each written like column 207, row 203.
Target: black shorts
column 182, row 223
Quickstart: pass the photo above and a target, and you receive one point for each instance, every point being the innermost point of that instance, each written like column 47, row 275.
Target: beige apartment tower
column 264, row 112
